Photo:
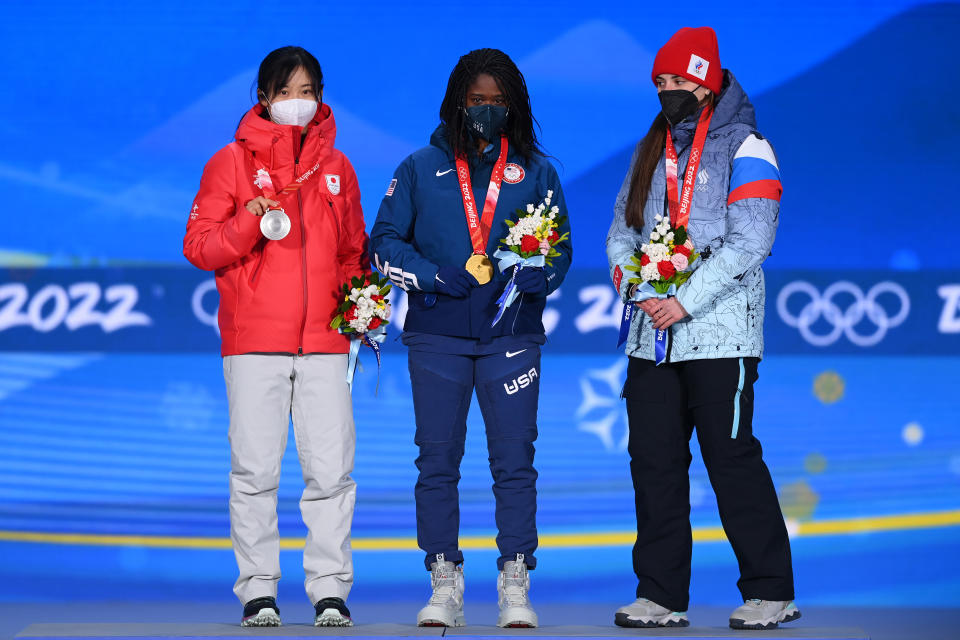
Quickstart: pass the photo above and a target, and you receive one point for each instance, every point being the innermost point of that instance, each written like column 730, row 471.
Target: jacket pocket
column 335, row 219
column 254, row 277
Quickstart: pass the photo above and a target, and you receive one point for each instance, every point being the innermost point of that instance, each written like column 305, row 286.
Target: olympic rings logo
column 844, row 321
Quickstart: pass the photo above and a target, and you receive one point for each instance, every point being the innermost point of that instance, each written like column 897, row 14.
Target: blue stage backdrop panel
column 112, row 410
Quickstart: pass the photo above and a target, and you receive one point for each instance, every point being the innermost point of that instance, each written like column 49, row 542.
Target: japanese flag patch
column 333, row 183
column 698, row 67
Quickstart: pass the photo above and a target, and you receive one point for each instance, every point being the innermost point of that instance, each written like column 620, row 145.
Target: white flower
column 658, row 218
column 655, row 236
column 657, row 252
column 549, row 193
column 546, row 201
column 650, row 272
column 529, row 208
column 669, row 237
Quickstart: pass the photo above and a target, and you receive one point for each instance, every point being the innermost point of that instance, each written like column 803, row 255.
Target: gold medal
column 480, row 267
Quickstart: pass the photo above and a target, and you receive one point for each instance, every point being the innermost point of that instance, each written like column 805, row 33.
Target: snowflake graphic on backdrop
column 601, row 410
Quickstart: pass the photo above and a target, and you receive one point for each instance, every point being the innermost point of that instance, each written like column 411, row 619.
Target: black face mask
column 486, row 121
column 678, row 104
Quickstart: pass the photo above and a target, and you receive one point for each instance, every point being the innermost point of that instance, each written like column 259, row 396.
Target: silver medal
column 275, row 224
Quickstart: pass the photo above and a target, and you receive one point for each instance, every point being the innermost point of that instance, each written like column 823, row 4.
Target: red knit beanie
column 694, row 54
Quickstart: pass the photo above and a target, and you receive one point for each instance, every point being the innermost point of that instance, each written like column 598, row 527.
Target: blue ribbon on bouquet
column 509, row 259
column 661, row 337
column 372, row 339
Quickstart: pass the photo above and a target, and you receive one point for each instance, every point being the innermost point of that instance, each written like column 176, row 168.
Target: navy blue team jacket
column 421, row 226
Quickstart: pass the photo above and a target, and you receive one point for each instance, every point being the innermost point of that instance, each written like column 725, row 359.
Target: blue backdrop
column 112, row 411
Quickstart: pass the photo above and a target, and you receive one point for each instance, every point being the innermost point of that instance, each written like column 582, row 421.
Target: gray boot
column 513, row 587
column 445, row 607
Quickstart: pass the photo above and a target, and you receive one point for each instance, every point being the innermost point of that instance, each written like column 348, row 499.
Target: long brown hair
column 651, row 148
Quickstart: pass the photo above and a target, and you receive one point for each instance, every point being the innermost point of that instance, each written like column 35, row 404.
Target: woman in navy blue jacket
column 432, row 241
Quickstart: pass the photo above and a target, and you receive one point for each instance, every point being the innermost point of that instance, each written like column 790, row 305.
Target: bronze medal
column 480, row 267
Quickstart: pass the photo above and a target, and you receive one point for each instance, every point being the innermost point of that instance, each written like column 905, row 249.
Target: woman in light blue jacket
column 715, row 326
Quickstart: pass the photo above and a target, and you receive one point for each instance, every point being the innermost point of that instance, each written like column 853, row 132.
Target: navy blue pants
column 505, row 373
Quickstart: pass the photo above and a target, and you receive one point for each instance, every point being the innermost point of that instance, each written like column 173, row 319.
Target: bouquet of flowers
column 364, row 313
column 534, row 232
column 531, row 242
column 662, row 265
column 365, row 306
column 666, row 261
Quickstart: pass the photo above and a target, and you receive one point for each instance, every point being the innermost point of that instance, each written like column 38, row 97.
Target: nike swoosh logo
column 443, row 173
column 515, row 353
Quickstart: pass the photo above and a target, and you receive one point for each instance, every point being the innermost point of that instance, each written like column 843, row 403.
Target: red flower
column 644, row 260
column 681, row 249
column 374, row 323
column 376, row 298
column 554, row 237
column 529, row 244
column 666, row 269
column 350, row 314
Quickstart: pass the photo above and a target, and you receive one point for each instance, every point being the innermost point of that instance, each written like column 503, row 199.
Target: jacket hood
column 732, row 107
column 439, row 139
column 259, row 134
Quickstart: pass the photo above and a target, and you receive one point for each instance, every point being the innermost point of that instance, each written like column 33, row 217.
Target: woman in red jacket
column 280, row 358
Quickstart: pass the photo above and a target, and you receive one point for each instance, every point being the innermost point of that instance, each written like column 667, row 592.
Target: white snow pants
column 263, row 391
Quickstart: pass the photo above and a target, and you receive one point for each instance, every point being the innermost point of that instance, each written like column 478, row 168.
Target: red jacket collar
column 259, row 134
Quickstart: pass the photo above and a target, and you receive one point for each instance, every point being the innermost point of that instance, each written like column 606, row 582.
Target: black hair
column 520, row 121
column 280, row 64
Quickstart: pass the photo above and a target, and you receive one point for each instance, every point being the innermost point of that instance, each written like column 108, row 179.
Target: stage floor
column 219, row 619
column 114, row 631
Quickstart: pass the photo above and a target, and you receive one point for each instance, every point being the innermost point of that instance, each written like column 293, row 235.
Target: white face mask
column 295, row 111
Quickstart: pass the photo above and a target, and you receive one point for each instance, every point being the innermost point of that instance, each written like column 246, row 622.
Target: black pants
column 664, row 404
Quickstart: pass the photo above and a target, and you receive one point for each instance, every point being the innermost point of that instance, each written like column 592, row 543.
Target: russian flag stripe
column 750, row 169
column 757, row 189
column 754, row 147
column 755, row 172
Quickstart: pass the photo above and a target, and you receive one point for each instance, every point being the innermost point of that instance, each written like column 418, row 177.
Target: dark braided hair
column 520, row 121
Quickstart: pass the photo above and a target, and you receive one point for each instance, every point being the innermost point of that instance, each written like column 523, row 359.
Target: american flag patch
column 393, row 185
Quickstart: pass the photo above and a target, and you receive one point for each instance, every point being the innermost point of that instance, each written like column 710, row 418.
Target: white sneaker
column 647, row 613
column 513, row 585
column 763, row 614
column 445, row 607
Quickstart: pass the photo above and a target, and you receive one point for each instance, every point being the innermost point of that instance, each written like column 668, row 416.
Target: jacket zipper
column 336, row 219
column 303, row 241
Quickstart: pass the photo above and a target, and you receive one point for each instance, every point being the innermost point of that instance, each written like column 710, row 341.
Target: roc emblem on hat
column 693, row 53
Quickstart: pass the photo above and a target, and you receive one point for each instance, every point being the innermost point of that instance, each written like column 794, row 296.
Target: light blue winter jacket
column 725, row 295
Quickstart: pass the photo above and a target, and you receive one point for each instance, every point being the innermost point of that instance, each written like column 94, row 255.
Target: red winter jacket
column 279, row 295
